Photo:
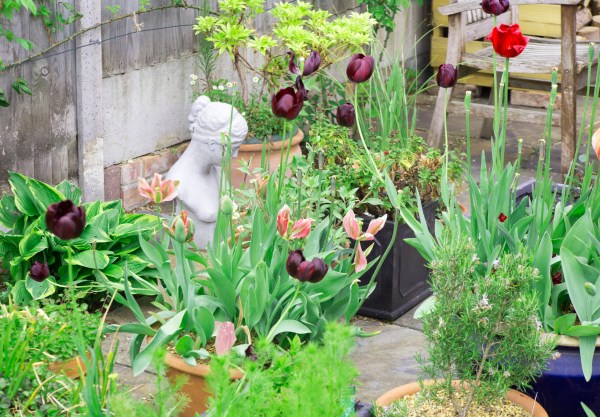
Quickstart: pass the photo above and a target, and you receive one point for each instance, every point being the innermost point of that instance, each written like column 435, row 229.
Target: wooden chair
column 466, row 22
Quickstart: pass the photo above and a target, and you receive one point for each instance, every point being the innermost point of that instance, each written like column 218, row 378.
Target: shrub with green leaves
column 483, row 328
column 305, row 380
column 108, row 242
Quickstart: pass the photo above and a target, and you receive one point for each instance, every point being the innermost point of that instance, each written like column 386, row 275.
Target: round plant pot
column 195, row 388
column 562, row 386
column 253, row 153
column 527, row 403
column 72, row 368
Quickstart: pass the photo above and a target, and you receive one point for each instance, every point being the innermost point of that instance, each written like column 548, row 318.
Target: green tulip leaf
column 290, row 326
column 20, row 294
column 184, row 345
column 24, row 199
column 563, row 323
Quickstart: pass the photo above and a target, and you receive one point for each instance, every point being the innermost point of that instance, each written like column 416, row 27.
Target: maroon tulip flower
column 294, row 260
column 346, row 115
column 292, row 67
column 65, row 220
column 312, row 63
column 303, row 270
column 287, row 102
column 502, row 217
column 447, row 76
column 39, row 271
column 360, row 68
column 495, row 7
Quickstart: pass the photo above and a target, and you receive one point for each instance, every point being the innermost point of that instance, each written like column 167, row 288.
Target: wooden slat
column 471, row 5
column 514, row 114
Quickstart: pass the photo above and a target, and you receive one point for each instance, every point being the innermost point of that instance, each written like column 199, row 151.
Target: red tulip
column 287, row 102
column 502, row 217
column 65, row 220
column 495, row 7
column 447, row 76
column 39, row 271
column 508, row 41
column 360, row 68
column 346, row 115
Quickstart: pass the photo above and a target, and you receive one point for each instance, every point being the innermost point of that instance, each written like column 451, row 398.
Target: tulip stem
column 271, row 334
column 80, row 342
column 374, row 168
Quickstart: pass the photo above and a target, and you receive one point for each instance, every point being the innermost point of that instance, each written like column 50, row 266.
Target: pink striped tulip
column 283, row 220
column 158, row 191
column 301, row 228
column 596, row 142
column 225, row 338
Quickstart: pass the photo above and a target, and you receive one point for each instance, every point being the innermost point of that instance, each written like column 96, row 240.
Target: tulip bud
column 283, row 220
column 288, row 103
column 226, row 205
column 502, row 218
column 301, row 228
column 447, row 76
column 312, row 63
column 294, row 260
column 590, row 288
column 495, row 7
column 346, row 115
column 39, row 271
column 65, row 220
column 180, row 234
column 360, row 68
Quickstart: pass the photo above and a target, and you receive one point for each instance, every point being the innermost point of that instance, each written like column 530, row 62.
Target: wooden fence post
column 89, row 103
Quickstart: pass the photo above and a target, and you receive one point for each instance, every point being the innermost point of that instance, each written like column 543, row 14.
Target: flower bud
column 226, row 205
column 495, row 7
column 360, row 68
column 65, row 220
column 346, row 115
column 294, row 260
column 447, row 76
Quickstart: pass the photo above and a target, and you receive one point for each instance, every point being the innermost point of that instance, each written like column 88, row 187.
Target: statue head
column 211, row 122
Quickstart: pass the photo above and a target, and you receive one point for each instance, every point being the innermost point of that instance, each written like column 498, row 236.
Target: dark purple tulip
column 447, row 76
column 320, row 270
column 360, row 68
column 287, row 102
column 346, row 115
column 495, row 7
column 65, row 220
column 312, row 63
column 294, row 260
column 306, row 270
column 39, row 271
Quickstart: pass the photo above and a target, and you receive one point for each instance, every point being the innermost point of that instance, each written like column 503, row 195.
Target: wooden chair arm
column 456, row 8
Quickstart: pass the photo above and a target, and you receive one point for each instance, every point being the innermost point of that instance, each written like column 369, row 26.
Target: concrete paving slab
column 387, row 359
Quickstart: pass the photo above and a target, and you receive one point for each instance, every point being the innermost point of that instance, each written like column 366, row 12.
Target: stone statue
column 199, row 168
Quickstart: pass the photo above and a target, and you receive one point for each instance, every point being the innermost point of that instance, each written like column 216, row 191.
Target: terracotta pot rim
column 567, row 341
column 176, row 362
column 516, row 397
column 257, row 147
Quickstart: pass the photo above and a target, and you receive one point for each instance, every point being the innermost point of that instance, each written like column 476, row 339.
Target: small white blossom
column 243, row 113
column 253, row 181
column 214, row 87
column 555, row 355
column 484, row 301
column 506, row 374
column 193, row 77
column 229, row 85
column 235, row 215
column 496, row 263
column 538, row 324
column 474, row 258
column 255, row 79
column 221, row 88
column 193, row 82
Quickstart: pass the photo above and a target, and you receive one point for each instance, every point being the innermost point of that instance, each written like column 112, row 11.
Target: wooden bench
column 467, row 22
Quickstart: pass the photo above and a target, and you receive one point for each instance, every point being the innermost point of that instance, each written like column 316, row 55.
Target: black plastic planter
column 402, row 281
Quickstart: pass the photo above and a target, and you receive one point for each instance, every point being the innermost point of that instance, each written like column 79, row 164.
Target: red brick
column 112, row 182
column 131, row 197
column 131, row 171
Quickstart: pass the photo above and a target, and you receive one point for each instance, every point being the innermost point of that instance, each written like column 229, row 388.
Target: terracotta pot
column 253, row 153
column 527, row 403
column 195, row 388
column 71, row 367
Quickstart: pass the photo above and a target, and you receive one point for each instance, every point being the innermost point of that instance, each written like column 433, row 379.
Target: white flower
column 255, row 79
column 474, row 258
column 221, row 88
column 243, row 113
column 193, row 82
column 253, row 181
column 538, row 324
column 193, row 77
column 484, row 301
column 506, row 374
column 496, row 263
column 229, row 85
column 555, row 355
column 214, row 87
column 235, row 215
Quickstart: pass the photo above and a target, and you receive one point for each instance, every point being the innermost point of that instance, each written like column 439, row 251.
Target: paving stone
column 387, row 359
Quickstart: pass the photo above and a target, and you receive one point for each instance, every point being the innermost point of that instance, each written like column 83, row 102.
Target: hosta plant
column 37, row 259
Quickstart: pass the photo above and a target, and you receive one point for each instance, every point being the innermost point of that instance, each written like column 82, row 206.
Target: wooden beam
column 569, row 102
